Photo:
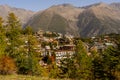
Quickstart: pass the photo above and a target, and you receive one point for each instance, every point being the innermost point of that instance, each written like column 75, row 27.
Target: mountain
column 92, row 20
column 99, row 19
column 22, row 14
column 49, row 21
column 85, row 21
column 58, row 18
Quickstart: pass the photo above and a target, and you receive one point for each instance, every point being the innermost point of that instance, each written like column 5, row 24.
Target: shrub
column 7, row 65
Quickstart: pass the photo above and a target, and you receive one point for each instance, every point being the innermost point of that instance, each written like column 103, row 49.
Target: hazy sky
column 37, row 5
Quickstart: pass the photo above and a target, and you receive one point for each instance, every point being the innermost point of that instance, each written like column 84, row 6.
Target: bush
column 7, row 65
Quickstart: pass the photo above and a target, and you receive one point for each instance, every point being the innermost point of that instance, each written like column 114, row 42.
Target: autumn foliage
column 7, row 65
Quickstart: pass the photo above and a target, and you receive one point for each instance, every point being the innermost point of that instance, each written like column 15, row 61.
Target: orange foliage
column 7, row 65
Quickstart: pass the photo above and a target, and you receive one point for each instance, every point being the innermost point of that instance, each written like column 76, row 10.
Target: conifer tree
column 82, row 61
column 32, row 56
column 111, row 61
column 7, row 65
column 79, row 65
column 13, row 33
column 15, row 41
column 2, row 38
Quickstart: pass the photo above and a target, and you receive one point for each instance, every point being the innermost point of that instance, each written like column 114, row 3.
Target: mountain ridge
column 92, row 20
column 22, row 14
column 87, row 21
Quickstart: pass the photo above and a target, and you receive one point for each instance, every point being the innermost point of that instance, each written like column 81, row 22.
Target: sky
column 36, row 5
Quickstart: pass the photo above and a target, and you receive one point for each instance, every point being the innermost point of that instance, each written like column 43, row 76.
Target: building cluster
column 99, row 44
column 56, row 46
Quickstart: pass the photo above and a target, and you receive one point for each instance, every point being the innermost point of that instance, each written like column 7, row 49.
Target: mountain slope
column 60, row 18
column 22, row 14
column 86, row 21
column 97, row 20
column 49, row 21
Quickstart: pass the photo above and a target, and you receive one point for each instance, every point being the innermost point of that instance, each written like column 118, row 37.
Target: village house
column 63, row 52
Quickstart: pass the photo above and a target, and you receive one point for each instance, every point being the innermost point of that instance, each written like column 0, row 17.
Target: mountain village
column 57, row 46
column 61, row 42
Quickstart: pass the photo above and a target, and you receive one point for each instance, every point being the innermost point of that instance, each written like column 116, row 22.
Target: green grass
column 25, row 77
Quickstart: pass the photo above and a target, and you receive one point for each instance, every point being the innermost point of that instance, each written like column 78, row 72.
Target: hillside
column 58, row 18
column 49, row 22
column 99, row 19
column 85, row 21
column 22, row 14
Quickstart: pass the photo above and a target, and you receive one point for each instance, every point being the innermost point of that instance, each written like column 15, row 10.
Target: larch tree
column 111, row 61
column 2, row 38
column 13, row 33
column 7, row 64
column 32, row 56
column 79, row 65
column 82, row 61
